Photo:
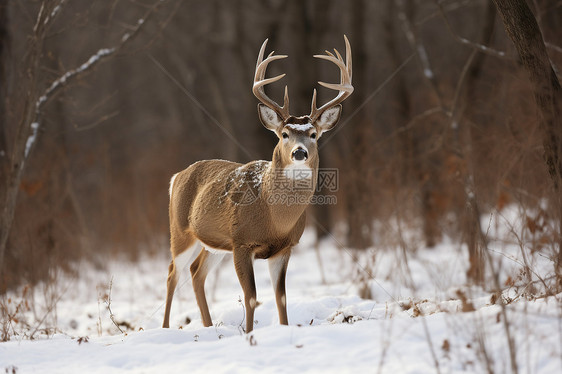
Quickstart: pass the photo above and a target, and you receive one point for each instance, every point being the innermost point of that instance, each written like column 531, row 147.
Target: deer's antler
column 260, row 81
column 344, row 87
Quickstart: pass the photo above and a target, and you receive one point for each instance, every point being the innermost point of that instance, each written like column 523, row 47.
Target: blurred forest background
column 102, row 102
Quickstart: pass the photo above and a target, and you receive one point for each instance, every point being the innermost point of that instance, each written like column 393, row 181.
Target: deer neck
column 288, row 189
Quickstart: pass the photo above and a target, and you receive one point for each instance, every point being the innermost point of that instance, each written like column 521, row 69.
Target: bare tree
column 523, row 29
column 4, row 50
column 36, row 96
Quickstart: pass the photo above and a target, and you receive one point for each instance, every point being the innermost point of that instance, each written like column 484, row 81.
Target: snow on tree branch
column 31, row 138
column 54, row 12
column 63, row 79
column 69, row 76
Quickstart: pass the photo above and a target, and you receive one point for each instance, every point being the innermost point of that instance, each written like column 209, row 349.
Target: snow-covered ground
column 421, row 317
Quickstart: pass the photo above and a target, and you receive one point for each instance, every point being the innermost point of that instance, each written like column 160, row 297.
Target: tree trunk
column 523, row 29
column 406, row 142
column 4, row 44
column 472, row 230
column 16, row 159
column 358, row 188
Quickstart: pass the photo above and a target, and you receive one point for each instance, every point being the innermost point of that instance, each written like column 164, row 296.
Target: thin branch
column 412, row 122
column 64, row 80
column 480, row 47
column 369, row 98
column 49, row 310
column 162, row 25
column 453, row 111
column 410, row 282
column 353, row 257
column 198, row 104
column 414, row 41
column 449, row 7
column 418, row 48
column 54, row 13
column 111, row 315
column 554, row 47
column 505, row 320
column 96, row 123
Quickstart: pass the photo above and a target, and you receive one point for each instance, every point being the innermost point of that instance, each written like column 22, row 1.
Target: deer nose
column 299, row 154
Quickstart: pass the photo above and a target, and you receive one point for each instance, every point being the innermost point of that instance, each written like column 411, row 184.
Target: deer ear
column 269, row 118
column 329, row 118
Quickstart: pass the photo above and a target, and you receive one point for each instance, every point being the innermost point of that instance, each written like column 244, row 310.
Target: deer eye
column 313, row 135
column 285, row 135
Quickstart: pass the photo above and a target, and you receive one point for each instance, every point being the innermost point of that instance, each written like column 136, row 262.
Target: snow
column 420, row 314
column 425, row 61
column 299, row 127
column 54, row 12
column 31, row 139
column 250, row 173
column 62, row 80
column 103, row 52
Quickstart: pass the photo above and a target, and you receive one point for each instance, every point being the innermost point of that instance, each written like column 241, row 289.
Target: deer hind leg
column 244, row 265
column 180, row 259
column 277, row 270
column 202, row 265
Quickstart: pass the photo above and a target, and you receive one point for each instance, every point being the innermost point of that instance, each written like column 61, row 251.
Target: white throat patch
column 297, row 171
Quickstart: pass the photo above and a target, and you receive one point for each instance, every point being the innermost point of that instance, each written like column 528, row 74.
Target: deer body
column 250, row 210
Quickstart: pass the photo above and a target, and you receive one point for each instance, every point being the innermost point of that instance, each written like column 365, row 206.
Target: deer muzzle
column 299, row 154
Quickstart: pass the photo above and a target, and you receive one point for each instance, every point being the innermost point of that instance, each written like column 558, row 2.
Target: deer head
column 298, row 136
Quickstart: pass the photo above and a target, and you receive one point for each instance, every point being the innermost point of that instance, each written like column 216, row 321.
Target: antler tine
column 338, row 54
column 260, row 55
column 348, row 57
column 344, row 87
column 260, row 81
column 313, row 105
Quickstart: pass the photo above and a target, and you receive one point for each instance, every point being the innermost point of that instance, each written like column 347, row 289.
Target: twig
column 108, row 301
column 480, row 47
column 452, row 112
column 554, row 47
column 411, row 123
column 414, row 41
column 64, row 80
column 410, row 280
column 49, row 310
column 240, row 326
column 353, row 257
column 200, row 106
column 505, row 320
column 319, row 260
column 333, row 133
column 524, row 265
column 96, row 123
column 54, row 12
column 449, row 7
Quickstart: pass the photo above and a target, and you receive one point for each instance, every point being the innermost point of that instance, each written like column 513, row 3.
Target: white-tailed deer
column 250, row 210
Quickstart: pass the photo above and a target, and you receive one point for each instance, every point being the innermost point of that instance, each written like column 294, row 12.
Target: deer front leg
column 277, row 271
column 244, row 265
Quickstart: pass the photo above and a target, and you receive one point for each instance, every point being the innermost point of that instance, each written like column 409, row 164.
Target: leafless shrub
column 12, row 312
